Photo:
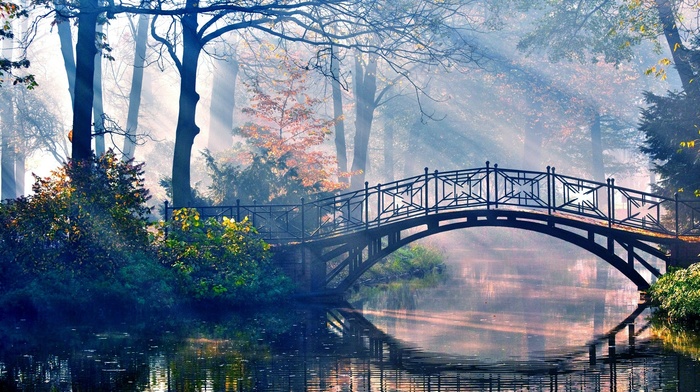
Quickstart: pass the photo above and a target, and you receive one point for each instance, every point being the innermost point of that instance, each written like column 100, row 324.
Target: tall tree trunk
column 411, row 165
column 97, row 107
column 132, row 120
column 532, row 143
column 341, row 150
column 223, row 103
column 20, row 172
column 187, row 128
column 7, row 136
column 681, row 55
column 21, row 144
column 66, row 43
column 597, row 165
column 85, row 51
column 532, row 146
column 388, row 152
column 365, row 92
column 8, row 189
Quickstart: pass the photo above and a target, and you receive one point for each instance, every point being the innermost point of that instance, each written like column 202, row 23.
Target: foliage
column 402, row 273
column 593, row 30
column 83, row 240
column 287, row 133
column 263, row 180
column 80, row 238
column 671, row 123
column 8, row 12
column 406, row 263
column 82, row 219
column 283, row 160
column 677, row 295
column 224, row 260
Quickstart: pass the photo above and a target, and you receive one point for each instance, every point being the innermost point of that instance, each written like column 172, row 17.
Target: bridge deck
column 342, row 236
column 488, row 187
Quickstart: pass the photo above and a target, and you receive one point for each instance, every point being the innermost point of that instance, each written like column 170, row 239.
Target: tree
column 671, row 125
column 365, row 104
column 85, row 50
column 66, row 42
column 223, row 103
column 284, row 161
column 9, row 12
column 338, row 113
column 432, row 32
column 132, row 121
column 667, row 121
column 608, row 31
column 407, row 31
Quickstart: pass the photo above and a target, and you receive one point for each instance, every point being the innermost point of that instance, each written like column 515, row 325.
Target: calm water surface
column 551, row 319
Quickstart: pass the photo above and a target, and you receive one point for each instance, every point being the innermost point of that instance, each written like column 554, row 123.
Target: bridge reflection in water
column 332, row 349
column 625, row 364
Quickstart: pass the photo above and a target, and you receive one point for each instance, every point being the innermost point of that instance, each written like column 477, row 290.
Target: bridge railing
column 488, row 187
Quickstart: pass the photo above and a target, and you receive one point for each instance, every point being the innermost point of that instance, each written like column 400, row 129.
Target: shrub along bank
column 82, row 245
column 677, row 296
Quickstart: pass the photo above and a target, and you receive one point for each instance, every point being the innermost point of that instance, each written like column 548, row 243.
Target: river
column 515, row 312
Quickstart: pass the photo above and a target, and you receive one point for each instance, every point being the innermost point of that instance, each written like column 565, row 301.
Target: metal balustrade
column 488, row 187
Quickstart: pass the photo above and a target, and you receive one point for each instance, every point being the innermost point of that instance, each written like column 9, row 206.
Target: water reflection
column 319, row 349
column 512, row 300
column 505, row 320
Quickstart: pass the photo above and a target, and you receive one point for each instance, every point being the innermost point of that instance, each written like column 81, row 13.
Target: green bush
column 223, row 260
column 79, row 240
column 677, row 295
column 408, row 262
column 85, row 219
column 82, row 244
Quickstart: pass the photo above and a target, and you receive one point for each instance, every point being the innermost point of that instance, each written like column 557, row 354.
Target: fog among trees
column 270, row 101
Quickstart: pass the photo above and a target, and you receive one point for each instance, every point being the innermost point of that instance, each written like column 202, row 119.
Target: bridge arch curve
column 342, row 235
column 347, row 258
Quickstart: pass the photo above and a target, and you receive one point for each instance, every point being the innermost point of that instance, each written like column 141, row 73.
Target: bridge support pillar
column 683, row 254
column 302, row 266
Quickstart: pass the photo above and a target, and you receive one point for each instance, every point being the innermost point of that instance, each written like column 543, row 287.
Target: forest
column 202, row 102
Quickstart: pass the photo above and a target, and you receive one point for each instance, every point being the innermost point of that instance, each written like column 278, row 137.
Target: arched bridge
column 329, row 242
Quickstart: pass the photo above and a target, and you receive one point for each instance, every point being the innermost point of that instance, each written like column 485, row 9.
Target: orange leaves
column 285, row 126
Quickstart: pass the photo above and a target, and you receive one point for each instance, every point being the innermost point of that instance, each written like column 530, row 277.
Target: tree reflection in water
column 315, row 348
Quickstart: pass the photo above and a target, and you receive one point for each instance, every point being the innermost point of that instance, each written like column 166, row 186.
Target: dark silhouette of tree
column 671, row 126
